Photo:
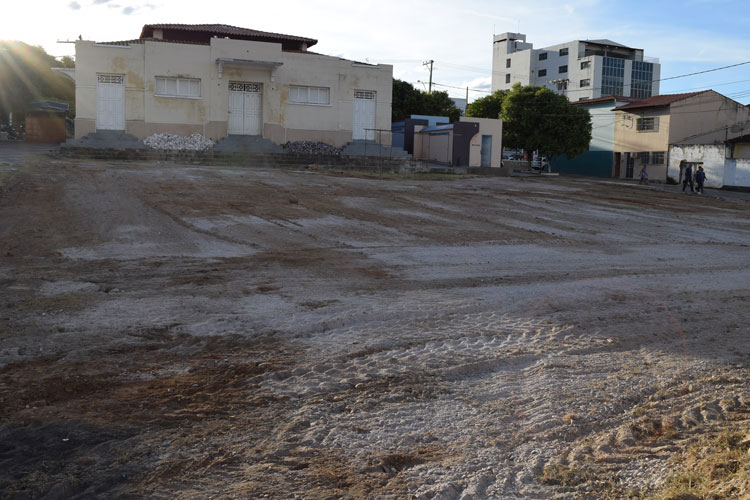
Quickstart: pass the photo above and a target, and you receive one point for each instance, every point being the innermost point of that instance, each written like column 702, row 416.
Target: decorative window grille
column 118, row 79
column 309, row 95
column 364, row 94
column 244, row 87
column 177, row 87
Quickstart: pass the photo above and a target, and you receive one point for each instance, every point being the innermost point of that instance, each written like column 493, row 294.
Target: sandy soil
column 191, row 332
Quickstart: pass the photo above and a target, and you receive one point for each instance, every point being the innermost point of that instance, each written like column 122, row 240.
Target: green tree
column 406, row 100
column 487, row 107
column 409, row 101
column 25, row 77
column 66, row 62
column 437, row 103
column 537, row 119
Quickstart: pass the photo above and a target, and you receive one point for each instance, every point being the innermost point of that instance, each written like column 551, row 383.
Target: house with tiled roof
column 647, row 131
column 220, row 80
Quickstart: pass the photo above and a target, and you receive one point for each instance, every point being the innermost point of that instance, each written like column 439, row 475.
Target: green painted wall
column 594, row 163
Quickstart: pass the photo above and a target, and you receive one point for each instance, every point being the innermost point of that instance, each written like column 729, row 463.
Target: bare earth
column 191, row 332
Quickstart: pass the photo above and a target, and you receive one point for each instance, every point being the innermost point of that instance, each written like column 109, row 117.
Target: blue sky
column 686, row 37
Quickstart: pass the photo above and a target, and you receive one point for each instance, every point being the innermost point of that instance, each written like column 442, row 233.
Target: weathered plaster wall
column 712, row 156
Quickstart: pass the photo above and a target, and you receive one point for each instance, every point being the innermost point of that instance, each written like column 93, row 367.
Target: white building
column 581, row 69
column 220, row 80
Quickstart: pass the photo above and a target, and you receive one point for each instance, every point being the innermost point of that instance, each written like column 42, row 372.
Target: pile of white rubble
column 171, row 142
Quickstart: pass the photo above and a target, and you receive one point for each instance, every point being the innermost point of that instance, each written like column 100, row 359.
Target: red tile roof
column 226, row 30
column 658, row 100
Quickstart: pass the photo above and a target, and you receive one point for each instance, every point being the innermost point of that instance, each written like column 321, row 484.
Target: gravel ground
column 177, row 331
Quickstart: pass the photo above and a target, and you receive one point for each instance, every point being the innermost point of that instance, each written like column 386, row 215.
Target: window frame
column 542, row 72
column 562, row 69
column 647, row 124
column 507, row 78
column 586, row 82
column 507, row 63
column 585, row 64
column 309, row 92
column 563, row 52
column 542, row 56
column 186, row 81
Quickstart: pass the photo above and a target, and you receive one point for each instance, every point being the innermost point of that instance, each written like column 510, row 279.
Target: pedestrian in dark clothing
column 700, row 178
column 688, row 179
column 644, row 176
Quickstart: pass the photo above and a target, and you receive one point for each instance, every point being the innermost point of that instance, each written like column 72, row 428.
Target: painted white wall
column 737, row 172
column 712, row 156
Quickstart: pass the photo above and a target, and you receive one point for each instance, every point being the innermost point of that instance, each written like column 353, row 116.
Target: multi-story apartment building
column 581, row 69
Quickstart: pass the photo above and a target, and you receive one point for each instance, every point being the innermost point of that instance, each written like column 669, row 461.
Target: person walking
column 700, row 178
column 644, row 176
column 688, row 179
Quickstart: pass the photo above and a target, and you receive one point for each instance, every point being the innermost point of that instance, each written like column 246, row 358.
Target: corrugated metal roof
column 658, row 100
column 225, row 30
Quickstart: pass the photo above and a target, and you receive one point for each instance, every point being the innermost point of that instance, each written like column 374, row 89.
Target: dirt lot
column 200, row 332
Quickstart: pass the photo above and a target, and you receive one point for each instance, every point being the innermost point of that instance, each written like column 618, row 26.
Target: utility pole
column 430, row 62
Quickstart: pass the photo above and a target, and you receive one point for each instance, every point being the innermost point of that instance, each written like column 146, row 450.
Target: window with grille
column 542, row 56
column 657, row 158
column 585, row 64
column 564, row 52
column 650, row 124
column 586, row 82
column 177, row 87
column 364, row 94
column 507, row 78
column 542, row 72
column 644, row 157
column 563, row 69
column 309, row 95
column 507, row 63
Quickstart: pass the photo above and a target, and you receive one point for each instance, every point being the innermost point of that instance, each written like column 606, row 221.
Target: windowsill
column 177, row 96
column 310, row 104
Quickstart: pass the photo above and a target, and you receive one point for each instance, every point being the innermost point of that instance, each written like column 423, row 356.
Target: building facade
column 580, row 69
column 218, row 80
column 599, row 160
column 647, row 130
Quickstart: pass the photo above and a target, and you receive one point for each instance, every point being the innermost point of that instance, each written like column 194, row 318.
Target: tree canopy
column 487, row 107
column 408, row 101
column 25, row 77
column 537, row 119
